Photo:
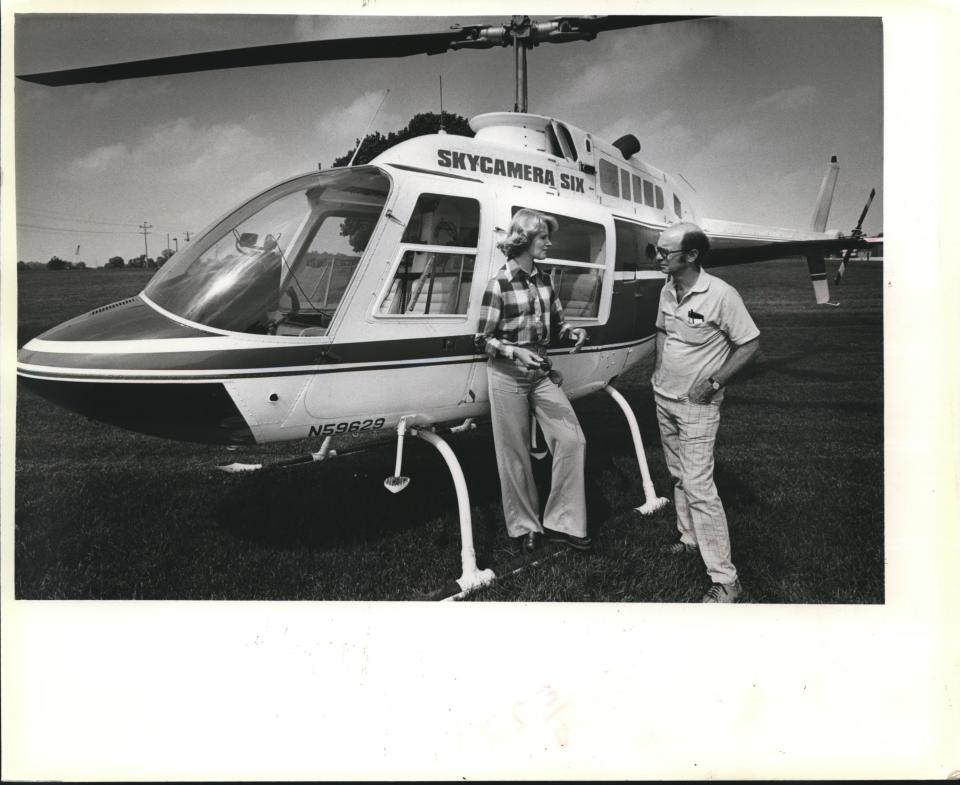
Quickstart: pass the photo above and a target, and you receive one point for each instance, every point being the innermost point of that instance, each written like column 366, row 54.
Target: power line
column 69, row 231
column 79, row 219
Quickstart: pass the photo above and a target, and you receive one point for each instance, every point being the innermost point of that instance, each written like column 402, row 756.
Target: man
column 704, row 337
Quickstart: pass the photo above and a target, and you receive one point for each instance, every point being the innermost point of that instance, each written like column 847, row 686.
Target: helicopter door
column 417, row 329
column 638, row 272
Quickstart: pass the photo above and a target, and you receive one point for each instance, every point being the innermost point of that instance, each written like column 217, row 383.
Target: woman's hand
column 579, row 335
column 526, row 359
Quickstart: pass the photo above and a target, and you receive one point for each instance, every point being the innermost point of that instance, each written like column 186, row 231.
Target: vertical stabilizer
column 818, row 221
column 818, row 277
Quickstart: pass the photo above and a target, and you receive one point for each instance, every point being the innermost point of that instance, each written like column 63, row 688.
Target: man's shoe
column 528, row 543
column 570, row 540
column 679, row 549
column 723, row 592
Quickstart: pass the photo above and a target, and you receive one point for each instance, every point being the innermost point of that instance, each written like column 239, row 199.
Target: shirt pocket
column 694, row 334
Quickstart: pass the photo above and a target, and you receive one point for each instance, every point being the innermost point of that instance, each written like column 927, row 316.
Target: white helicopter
column 347, row 301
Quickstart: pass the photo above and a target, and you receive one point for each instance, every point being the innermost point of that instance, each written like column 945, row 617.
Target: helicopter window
column 637, row 190
column 659, row 197
column 648, row 193
column 636, row 246
column 575, row 241
column 437, row 260
column 316, row 283
column 625, row 183
column 577, row 288
column 566, row 141
column 280, row 263
column 609, row 178
column 553, row 143
column 575, row 264
column 427, row 282
column 444, row 220
column 677, row 207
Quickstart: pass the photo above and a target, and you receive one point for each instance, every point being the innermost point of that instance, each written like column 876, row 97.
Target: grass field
column 102, row 513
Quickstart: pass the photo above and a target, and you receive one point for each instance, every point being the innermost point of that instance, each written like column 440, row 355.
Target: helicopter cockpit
column 281, row 263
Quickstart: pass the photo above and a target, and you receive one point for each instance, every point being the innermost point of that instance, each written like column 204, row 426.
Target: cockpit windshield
column 280, row 264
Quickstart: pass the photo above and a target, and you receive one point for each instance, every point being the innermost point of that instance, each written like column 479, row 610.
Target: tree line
column 141, row 262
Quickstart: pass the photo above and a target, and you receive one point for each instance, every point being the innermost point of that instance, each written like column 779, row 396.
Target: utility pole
column 168, row 239
column 143, row 228
column 187, row 236
column 176, row 245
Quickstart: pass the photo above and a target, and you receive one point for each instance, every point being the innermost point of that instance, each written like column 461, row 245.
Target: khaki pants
column 688, row 432
column 513, row 391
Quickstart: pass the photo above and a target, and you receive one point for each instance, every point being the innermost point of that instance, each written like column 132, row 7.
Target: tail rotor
column 857, row 234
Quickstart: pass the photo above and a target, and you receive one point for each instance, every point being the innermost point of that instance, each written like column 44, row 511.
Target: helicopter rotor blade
column 855, row 233
column 863, row 213
column 600, row 24
column 271, row 54
column 465, row 37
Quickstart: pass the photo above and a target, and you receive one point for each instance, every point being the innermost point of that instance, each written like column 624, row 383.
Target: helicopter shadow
column 344, row 503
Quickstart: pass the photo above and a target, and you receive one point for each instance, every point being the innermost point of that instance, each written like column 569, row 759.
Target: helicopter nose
column 127, row 320
column 121, row 364
column 203, row 413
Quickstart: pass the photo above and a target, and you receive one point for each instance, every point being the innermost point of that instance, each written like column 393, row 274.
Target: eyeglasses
column 664, row 253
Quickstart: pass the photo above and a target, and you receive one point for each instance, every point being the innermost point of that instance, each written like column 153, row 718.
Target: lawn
column 103, row 513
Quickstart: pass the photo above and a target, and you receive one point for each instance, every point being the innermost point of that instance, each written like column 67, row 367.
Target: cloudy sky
column 748, row 110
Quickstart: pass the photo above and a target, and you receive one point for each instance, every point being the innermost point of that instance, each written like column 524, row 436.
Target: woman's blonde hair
column 526, row 224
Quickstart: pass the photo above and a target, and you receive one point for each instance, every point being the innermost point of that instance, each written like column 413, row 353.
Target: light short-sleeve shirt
column 702, row 330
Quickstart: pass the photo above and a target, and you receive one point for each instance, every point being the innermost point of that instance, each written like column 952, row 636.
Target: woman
column 520, row 310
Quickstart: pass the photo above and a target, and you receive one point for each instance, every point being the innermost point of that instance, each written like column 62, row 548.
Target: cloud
column 744, row 173
column 103, row 96
column 100, row 159
column 661, row 128
column 340, row 127
column 631, row 63
column 319, row 28
column 197, row 171
column 787, row 99
column 175, row 146
column 310, row 28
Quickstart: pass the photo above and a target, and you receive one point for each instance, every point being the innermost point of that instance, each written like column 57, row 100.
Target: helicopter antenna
column 367, row 129
column 442, row 131
column 686, row 180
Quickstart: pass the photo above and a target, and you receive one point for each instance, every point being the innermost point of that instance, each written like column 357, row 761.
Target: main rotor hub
column 523, row 32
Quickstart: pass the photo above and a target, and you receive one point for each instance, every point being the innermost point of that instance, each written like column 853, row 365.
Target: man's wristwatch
column 714, row 384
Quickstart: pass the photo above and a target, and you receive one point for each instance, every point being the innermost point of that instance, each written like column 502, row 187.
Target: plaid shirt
column 519, row 310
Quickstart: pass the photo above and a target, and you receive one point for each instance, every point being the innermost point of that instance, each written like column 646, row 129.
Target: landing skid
column 471, row 577
column 320, row 455
column 652, row 502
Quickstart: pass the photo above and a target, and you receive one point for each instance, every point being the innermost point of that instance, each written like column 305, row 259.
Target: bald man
column 704, row 337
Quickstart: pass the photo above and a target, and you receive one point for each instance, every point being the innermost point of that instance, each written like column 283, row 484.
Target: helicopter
column 346, row 301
